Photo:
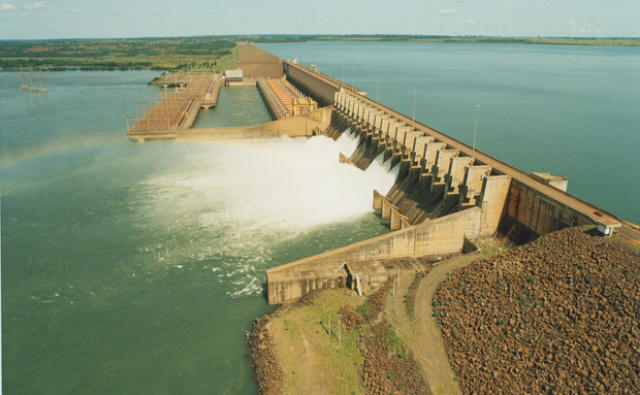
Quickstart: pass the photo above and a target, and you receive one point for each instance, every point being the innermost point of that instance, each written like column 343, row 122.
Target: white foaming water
column 234, row 200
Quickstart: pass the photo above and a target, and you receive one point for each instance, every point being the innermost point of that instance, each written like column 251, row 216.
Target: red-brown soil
column 560, row 315
column 265, row 369
column 255, row 63
column 386, row 370
column 388, row 367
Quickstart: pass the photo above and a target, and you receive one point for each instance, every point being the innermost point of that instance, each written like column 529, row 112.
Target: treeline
column 114, row 54
column 292, row 38
column 177, row 53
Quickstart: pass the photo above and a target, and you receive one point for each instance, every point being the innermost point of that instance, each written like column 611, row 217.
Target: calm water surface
column 138, row 268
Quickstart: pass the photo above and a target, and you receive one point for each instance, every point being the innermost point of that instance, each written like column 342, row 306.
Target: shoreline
column 227, row 58
column 430, row 332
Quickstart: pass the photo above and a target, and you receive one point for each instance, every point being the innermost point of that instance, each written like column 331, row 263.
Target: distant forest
column 210, row 52
column 614, row 41
column 117, row 54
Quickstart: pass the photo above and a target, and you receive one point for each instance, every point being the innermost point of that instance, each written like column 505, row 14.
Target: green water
column 238, row 106
column 133, row 268
column 568, row 110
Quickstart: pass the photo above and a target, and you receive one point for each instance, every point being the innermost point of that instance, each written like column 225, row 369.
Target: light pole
column 475, row 129
column 413, row 121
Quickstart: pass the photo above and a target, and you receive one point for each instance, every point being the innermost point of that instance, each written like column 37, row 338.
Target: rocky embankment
column 560, row 315
column 265, row 368
column 388, row 368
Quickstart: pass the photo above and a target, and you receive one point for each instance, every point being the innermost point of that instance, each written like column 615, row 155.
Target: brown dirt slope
column 255, row 62
column 265, row 368
column 560, row 315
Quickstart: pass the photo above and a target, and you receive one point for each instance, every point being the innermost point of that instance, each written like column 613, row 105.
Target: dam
column 446, row 196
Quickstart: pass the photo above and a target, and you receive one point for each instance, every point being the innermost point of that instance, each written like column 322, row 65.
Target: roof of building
column 233, row 73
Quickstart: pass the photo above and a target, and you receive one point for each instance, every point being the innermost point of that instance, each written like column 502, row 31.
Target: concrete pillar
column 430, row 153
column 398, row 221
column 456, row 174
column 405, row 166
column 337, row 99
column 371, row 119
column 377, row 200
column 384, row 126
column 409, row 143
column 386, row 208
column 419, row 147
column 493, row 201
column 354, row 111
column 362, row 111
column 452, row 180
column 344, row 102
column 357, row 110
column 472, row 184
column 391, row 133
column 378, row 121
column 399, row 139
column 443, row 163
column 350, row 105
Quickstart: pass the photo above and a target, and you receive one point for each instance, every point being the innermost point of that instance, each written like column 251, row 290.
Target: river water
column 568, row 110
column 133, row 268
column 137, row 268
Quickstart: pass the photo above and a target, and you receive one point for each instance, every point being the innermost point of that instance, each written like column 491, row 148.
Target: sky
column 51, row 19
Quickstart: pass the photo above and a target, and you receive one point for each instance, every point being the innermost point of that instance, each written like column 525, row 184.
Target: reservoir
column 567, row 110
column 138, row 268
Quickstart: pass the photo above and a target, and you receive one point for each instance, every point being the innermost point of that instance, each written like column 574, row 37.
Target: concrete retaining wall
column 540, row 213
column 303, row 125
column 442, row 236
column 310, row 80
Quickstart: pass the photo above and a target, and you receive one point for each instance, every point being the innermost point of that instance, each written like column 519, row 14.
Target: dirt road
column 421, row 334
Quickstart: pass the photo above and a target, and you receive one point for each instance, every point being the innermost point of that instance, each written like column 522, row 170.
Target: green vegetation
column 394, row 343
column 120, row 54
column 330, row 350
column 613, row 41
column 364, row 308
column 212, row 52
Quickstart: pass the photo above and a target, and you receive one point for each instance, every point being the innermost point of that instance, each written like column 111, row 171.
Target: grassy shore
column 120, row 54
column 216, row 53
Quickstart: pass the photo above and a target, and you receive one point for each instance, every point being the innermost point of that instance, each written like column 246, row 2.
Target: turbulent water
column 137, row 268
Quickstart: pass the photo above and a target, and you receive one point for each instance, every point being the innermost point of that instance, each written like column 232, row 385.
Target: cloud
column 448, row 11
column 8, row 7
column 75, row 11
column 33, row 7
column 338, row 22
column 471, row 22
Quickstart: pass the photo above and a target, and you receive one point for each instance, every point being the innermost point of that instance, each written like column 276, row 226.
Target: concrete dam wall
column 446, row 194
